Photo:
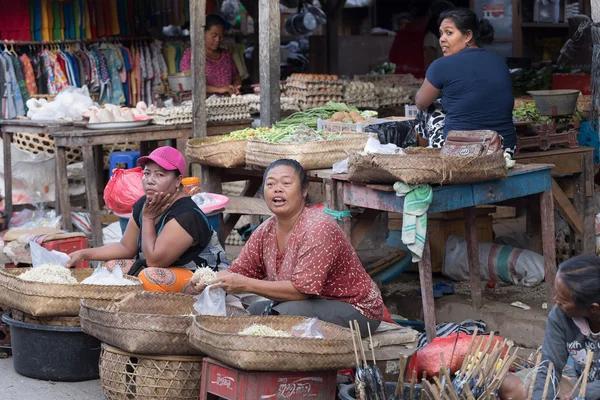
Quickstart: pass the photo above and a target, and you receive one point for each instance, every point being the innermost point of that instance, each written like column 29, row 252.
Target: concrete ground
column 16, row 387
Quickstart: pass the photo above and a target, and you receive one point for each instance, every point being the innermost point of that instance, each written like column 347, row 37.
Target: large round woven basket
column 218, row 337
column 53, row 299
column 214, row 152
column 424, row 165
column 126, row 375
column 311, row 155
column 144, row 322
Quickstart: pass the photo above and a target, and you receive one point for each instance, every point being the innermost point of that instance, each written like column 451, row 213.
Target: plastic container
column 53, row 353
column 410, row 111
column 191, row 185
column 180, row 82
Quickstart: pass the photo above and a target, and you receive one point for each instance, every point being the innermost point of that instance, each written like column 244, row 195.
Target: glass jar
column 191, row 185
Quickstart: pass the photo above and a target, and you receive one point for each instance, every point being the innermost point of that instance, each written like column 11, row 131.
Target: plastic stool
column 123, row 159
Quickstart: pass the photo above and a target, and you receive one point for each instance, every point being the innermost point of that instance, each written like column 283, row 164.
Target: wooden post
column 548, row 244
column 333, row 11
column 473, row 255
column 8, row 203
column 426, row 278
column 269, row 42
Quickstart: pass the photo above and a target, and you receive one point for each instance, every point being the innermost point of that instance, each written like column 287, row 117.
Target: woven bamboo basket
column 57, row 300
column 145, row 322
column 424, row 165
column 43, row 143
column 214, row 152
column 311, row 155
column 126, row 375
column 218, row 338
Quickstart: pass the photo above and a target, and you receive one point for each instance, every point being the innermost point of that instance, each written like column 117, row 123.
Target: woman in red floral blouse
column 301, row 260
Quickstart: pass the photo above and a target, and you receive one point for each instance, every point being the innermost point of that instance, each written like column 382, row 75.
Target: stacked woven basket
column 153, row 345
column 217, row 152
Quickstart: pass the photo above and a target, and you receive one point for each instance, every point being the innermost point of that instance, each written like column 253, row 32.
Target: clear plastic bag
column 102, row 276
column 40, row 256
column 211, row 302
column 310, row 328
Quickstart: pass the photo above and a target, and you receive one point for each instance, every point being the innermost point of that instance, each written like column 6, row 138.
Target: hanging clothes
column 16, row 92
column 7, row 101
column 30, row 81
column 15, row 20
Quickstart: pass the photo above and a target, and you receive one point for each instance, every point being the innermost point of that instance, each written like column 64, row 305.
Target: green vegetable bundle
column 310, row 117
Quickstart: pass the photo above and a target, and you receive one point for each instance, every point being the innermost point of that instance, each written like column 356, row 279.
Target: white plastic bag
column 496, row 262
column 310, row 328
column 103, row 276
column 211, row 302
column 41, row 256
column 341, row 167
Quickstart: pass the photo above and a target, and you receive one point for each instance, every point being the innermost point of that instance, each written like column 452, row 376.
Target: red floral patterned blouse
column 318, row 260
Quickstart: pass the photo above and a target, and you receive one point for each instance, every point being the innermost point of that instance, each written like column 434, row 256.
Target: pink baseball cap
column 167, row 157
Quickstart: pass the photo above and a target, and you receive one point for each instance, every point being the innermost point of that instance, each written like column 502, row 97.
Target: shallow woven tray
column 218, row 338
column 125, row 375
column 311, row 155
column 424, row 165
column 214, row 152
column 145, row 322
column 53, row 299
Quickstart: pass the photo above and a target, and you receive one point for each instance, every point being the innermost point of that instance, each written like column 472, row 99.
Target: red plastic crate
column 226, row 382
column 573, row 81
column 66, row 246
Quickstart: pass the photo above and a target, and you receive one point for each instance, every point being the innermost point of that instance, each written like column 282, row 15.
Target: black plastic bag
column 400, row 133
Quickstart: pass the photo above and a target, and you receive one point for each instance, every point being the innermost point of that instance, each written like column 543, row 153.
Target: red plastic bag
column 123, row 189
column 428, row 358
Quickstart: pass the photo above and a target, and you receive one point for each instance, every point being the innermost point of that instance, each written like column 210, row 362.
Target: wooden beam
column 362, row 227
column 333, row 11
column 197, row 22
column 548, row 243
column 473, row 255
column 566, row 208
column 269, row 42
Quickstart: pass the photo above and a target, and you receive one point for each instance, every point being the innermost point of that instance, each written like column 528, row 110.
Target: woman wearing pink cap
column 167, row 233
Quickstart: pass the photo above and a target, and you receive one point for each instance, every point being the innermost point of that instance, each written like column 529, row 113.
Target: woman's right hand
column 76, row 257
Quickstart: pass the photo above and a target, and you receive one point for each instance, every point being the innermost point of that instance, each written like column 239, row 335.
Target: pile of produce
column 263, row 330
column 287, row 103
column 206, row 275
column 288, row 134
column 352, row 117
column 314, row 90
column 529, row 112
column 49, row 273
column 222, row 108
column 361, row 94
column 310, row 117
column 396, row 96
column 386, row 68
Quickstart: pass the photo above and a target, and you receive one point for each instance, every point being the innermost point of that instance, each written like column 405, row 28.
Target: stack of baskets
column 47, row 339
column 146, row 353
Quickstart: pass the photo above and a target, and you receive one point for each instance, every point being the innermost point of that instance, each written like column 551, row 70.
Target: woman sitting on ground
column 167, row 232
column 301, row 260
column 572, row 328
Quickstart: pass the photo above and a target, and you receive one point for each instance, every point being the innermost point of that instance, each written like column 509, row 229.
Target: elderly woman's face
column 452, row 40
column 564, row 300
column 157, row 179
column 283, row 192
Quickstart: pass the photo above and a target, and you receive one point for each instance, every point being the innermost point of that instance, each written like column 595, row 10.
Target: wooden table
column 572, row 177
column 523, row 181
column 12, row 126
column 91, row 142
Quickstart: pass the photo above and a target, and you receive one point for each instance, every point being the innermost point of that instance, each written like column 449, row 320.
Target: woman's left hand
column 232, row 283
column 157, row 206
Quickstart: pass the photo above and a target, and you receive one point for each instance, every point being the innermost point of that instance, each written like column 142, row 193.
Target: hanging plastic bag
column 211, row 302
column 40, row 256
column 102, row 276
column 123, row 189
column 310, row 328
